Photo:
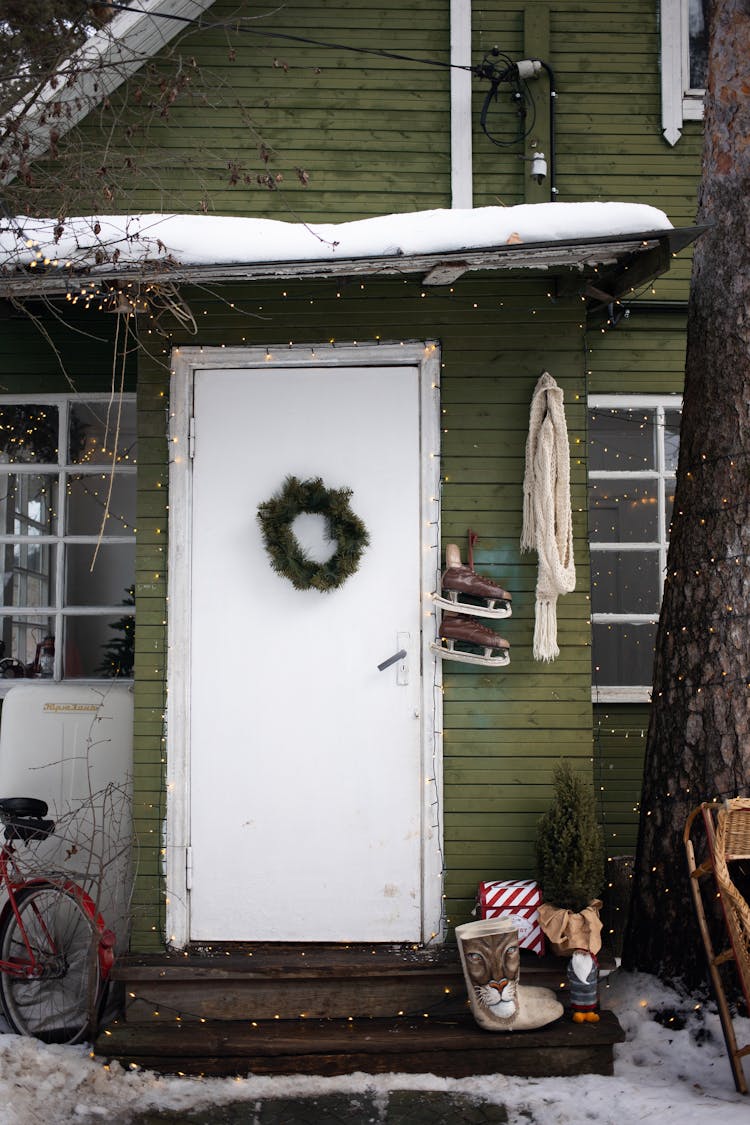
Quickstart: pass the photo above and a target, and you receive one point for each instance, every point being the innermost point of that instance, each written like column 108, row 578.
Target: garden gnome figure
column 492, row 966
column 583, row 981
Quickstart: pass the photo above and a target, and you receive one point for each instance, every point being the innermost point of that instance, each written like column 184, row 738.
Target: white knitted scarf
column 547, row 514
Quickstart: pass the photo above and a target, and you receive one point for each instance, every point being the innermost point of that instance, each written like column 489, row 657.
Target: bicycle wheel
column 61, row 1003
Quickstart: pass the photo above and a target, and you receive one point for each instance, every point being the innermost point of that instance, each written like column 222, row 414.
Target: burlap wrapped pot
column 569, row 930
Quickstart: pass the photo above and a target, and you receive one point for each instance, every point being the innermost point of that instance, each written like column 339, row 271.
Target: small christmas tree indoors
column 119, row 651
column 569, row 845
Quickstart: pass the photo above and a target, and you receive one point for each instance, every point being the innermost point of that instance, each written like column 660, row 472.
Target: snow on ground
column 211, row 240
column 676, row 1072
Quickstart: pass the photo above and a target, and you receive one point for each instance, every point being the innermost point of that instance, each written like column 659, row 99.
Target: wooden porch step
column 310, row 981
column 449, row 1047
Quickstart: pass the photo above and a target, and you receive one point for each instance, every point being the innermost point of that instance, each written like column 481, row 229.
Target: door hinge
column 191, row 438
column 188, row 868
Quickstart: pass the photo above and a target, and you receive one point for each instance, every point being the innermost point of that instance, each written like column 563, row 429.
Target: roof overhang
column 606, row 268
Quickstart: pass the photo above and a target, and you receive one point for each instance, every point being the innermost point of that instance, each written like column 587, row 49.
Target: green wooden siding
column 504, row 729
column 606, row 61
column 643, row 354
column 619, row 745
column 371, row 133
column 40, row 354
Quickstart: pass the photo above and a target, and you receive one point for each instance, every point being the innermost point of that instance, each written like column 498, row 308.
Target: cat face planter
column 491, row 962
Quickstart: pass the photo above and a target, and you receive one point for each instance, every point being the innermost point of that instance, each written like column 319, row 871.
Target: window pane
column 20, row 638
column 27, row 574
column 87, row 499
column 28, row 504
column 28, row 434
column 698, row 38
column 621, row 439
column 623, row 511
column 98, row 646
column 623, row 654
column 668, row 504
column 625, row 581
column 110, row 580
column 672, row 419
column 93, row 426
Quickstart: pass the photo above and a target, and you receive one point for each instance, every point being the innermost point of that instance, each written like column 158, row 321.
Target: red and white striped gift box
column 518, row 899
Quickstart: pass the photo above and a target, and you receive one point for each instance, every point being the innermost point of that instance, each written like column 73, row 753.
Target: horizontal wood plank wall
column 504, row 729
column 606, row 61
column 499, row 172
column 368, row 134
column 41, row 354
column 643, row 354
column 620, row 731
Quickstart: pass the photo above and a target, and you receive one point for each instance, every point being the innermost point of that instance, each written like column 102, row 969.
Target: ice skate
column 461, row 581
column 493, row 649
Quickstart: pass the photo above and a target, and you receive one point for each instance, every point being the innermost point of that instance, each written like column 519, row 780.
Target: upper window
column 684, row 56
column 67, row 536
column 633, row 446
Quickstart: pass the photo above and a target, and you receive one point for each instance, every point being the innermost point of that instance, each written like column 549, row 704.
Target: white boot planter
column 491, row 962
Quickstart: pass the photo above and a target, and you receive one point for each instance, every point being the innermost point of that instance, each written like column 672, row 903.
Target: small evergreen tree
column 119, row 651
column 569, row 844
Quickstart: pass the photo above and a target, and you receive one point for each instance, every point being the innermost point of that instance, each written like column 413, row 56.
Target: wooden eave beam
column 621, row 261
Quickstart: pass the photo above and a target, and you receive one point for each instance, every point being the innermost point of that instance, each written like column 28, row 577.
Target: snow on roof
column 127, row 241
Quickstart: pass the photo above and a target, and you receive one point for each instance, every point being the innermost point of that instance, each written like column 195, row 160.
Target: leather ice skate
column 459, row 582
column 486, row 646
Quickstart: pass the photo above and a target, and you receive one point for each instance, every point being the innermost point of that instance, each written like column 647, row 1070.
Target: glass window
column 684, row 63
column 633, row 452
column 698, row 44
column 67, row 537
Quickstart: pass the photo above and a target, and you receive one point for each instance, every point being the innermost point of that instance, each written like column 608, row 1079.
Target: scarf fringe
column 545, row 630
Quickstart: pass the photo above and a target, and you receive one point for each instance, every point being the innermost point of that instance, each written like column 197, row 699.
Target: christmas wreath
column 288, row 557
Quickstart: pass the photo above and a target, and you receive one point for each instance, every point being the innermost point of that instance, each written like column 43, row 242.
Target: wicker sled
column 727, row 838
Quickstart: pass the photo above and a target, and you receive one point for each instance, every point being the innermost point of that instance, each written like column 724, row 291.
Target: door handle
column 400, row 657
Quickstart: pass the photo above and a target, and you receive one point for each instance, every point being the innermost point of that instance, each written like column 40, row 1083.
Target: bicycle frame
column 14, row 882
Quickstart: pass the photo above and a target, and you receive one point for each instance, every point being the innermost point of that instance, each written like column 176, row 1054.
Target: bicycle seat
column 22, row 806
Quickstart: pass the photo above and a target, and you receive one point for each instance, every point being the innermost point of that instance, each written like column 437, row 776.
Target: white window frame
column 658, row 403
column 679, row 101
column 57, row 609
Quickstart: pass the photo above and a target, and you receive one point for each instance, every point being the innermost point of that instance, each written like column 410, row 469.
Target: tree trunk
column 699, row 736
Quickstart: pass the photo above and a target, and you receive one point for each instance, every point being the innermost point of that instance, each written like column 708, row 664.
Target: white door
column 306, row 806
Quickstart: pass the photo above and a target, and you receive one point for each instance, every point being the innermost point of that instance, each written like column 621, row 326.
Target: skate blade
column 471, row 610
column 499, row 661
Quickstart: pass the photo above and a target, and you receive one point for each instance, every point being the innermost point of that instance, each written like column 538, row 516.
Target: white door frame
column 185, row 363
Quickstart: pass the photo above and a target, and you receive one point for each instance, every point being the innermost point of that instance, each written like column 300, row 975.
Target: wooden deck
column 334, row 1010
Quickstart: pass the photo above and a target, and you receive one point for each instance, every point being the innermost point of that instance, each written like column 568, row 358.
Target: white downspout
column 461, row 155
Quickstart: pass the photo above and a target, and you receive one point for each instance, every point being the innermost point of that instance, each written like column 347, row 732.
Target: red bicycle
column 56, row 954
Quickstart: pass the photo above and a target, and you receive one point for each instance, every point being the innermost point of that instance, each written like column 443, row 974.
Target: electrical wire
column 242, row 29
column 520, row 96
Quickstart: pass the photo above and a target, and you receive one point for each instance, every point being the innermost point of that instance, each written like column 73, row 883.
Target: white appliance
column 72, row 746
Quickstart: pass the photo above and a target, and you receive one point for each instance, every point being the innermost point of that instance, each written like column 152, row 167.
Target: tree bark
column 698, row 743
